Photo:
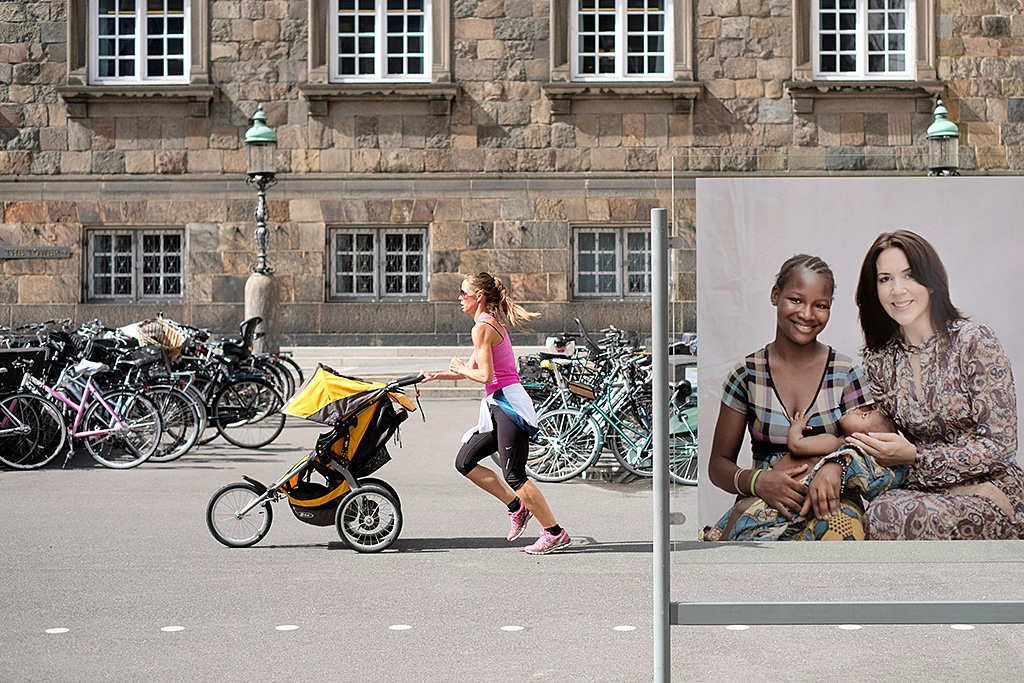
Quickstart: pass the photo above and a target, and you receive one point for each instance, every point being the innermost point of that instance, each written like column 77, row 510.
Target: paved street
column 123, row 561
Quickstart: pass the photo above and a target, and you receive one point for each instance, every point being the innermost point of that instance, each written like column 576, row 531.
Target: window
column 378, row 263
column 612, row 262
column 621, row 40
column 135, row 265
column 139, row 41
column 380, row 40
column 863, row 39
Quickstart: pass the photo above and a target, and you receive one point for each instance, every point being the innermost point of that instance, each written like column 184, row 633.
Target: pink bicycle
column 119, row 428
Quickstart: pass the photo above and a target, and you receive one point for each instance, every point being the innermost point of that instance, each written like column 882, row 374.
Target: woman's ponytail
column 500, row 301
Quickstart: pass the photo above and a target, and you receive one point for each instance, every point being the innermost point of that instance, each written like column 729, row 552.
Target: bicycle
column 120, row 429
column 32, row 430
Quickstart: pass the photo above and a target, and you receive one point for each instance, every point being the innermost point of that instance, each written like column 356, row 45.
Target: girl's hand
column 888, row 448
column 427, row 376
column 823, row 494
column 782, row 490
column 457, row 365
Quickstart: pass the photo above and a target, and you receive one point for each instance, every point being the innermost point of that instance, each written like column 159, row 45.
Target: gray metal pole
column 659, row 437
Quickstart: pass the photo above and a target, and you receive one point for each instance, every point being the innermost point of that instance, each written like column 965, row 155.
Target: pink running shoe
column 549, row 543
column 519, row 519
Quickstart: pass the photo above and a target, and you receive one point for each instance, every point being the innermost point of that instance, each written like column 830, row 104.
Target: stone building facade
column 498, row 147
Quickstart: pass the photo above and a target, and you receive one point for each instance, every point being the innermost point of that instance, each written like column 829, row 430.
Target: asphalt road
column 124, row 562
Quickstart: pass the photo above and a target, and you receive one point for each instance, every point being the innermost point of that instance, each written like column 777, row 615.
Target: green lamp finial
column 260, row 131
column 942, row 127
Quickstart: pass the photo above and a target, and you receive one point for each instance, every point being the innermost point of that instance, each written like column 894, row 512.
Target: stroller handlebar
column 405, row 381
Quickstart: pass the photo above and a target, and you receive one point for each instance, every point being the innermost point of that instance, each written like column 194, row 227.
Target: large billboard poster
column 748, row 227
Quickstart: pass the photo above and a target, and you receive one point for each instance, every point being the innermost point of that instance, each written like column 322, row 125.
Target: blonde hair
column 499, row 301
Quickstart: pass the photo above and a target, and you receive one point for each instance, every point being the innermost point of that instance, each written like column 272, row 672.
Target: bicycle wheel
column 368, row 519
column 633, row 452
column 232, row 529
column 682, row 465
column 32, row 431
column 289, row 363
column 202, row 384
column 567, row 443
column 181, row 422
column 267, row 367
column 134, row 442
column 247, row 412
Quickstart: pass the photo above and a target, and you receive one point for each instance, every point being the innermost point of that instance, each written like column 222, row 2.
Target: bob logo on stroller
column 331, row 485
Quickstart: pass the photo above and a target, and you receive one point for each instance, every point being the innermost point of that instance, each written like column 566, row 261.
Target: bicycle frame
column 79, row 408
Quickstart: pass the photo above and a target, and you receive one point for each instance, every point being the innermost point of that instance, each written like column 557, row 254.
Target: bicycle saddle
column 88, row 368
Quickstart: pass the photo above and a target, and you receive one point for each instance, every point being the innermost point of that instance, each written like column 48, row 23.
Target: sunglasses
column 463, row 294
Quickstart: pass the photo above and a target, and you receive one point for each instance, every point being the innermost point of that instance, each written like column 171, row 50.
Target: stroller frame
column 368, row 517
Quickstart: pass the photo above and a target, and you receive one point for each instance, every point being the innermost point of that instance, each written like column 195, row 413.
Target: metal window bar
column 354, row 263
column 403, row 263
column 597, row 256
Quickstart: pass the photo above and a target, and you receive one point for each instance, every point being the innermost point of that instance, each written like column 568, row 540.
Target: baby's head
column 865, row 419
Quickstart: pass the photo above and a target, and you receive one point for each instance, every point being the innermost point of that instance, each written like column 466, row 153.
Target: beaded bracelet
column 752, row 480
column 837, row 459
column 736, row 480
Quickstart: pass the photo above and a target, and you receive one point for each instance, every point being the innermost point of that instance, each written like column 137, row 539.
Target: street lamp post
column 943, row 144
column 261, row 297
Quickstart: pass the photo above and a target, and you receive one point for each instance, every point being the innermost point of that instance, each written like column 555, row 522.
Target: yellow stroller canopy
column 329, row 398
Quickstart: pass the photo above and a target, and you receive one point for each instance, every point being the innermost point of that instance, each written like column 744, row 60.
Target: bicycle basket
column 153, row 361
column 581, row 390
column 160, row 332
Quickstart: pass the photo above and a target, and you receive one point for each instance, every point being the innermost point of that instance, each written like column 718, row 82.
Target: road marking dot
column 850, row 627
column 961, row 627
column 737, row 627
column 286, row 627
column 512, row 628
column 624, row 627
column 172, row 629
column 57, row 630
column 399, row 627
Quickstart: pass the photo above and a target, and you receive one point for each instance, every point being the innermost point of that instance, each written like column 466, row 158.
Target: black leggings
column 506, row 439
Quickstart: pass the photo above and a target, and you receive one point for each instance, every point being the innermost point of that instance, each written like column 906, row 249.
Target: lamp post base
column 261, row 298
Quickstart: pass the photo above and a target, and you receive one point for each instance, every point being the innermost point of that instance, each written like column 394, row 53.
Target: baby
column 810, row 449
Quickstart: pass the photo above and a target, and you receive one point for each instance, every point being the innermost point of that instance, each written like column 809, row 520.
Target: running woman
column 507, row 418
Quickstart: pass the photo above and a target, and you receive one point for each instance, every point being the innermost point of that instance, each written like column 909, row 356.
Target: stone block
column 75, row 163
column 335, row 160
column 844, row 158
column 109, row 162
column 608, row 159
column 205, row 161
column 171, row 162
column 139, row 161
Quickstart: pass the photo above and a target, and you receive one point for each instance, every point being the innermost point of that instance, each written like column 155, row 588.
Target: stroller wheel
column 224, row 522
column 368, row 519
column 381, row 484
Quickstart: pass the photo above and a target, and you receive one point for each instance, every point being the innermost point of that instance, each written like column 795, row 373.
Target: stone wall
column 528, row 247
column 485, row 157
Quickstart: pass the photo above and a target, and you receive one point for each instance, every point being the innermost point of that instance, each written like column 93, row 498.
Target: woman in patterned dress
column 948, row 386
column 794, row 373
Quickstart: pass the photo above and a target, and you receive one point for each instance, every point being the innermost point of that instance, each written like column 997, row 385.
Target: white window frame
column 136, row 273
column 379, row 258
column 141, row 54
column 621, row 57
column 622, row 269
column 381, row 53
column 861, row 11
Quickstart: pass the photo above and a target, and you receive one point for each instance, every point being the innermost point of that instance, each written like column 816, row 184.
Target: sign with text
column 35, row 252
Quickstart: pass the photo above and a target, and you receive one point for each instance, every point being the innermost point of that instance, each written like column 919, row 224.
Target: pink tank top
column 504, row 359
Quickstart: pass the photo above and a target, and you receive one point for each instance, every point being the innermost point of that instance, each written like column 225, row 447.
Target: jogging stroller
column 331, row 485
